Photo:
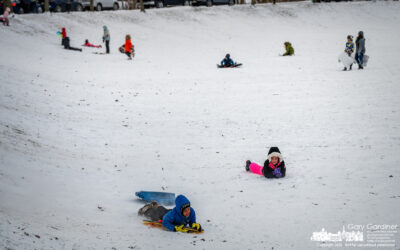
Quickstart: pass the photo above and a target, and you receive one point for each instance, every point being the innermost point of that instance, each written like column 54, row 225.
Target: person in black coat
column 360, row 50
column 274, row 166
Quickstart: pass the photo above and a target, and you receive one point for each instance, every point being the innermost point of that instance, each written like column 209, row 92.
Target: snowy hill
column 81, row 132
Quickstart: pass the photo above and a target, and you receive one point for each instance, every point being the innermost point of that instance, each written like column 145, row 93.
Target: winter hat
column 227, row 56
column 184, row 206
column 274, row 151
column 350, row 37
column 361, row 33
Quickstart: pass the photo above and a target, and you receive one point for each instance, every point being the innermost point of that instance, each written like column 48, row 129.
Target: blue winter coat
column 227, row 62
column 106, row 36
column 349, row 48
column 176, row 218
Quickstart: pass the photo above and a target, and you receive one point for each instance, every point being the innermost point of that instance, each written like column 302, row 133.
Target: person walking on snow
column 360, row 50
column 274, row 166
column 106, row 39
column 6, row 13
column 180, row 216
column 349, row 49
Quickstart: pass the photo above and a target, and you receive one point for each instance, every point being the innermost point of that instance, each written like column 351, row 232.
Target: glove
column 196, row 226
column 181, row 228
column 277, row 173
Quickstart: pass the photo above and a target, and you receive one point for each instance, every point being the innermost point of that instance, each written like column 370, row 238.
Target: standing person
column 6, row 13
column 106, row 39
column 68, row 5
column 128, row 47
column 349, row 49
column 274, row 166
column 63, row 35
column 36, row 6
column 360, row 50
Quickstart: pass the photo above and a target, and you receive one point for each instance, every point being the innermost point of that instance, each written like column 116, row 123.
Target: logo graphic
column 369, row 235
column 339, row 236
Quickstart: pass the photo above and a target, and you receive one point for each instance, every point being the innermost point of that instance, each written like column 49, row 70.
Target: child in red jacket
column 87, row 44
column 63, row 35
column 128, row 47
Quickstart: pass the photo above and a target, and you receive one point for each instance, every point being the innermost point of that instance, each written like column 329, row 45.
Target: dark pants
column 66, row 45
column 360, row 59
column 107, row 47
column 68, row 7
column 128, row 54
column 153, row 211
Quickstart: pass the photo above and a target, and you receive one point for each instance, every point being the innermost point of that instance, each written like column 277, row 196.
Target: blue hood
column 175, row 217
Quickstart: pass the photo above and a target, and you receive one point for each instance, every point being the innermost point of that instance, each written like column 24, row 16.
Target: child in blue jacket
column 227, row 61
column 181, row 216
column 349, row 48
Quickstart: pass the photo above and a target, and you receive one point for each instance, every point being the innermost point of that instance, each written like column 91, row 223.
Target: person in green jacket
column 289, row 49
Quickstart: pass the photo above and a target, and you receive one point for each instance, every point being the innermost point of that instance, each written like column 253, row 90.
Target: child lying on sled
column 274, row 166
column 177, row 219
column 87, row 44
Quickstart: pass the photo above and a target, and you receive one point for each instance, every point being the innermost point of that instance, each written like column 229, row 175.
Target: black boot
column 248, row 165
column 344, row 69
column 351, row 65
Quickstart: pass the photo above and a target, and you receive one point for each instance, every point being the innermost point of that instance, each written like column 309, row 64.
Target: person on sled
column 289, row 49
column 227, row 61
column 274, row 166
column 88, row 44
column 181, row 216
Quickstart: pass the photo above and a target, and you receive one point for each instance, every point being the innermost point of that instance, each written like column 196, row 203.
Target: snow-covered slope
column 80, row 132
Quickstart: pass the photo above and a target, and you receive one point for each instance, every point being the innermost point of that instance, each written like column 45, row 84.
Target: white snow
column 79, row 131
